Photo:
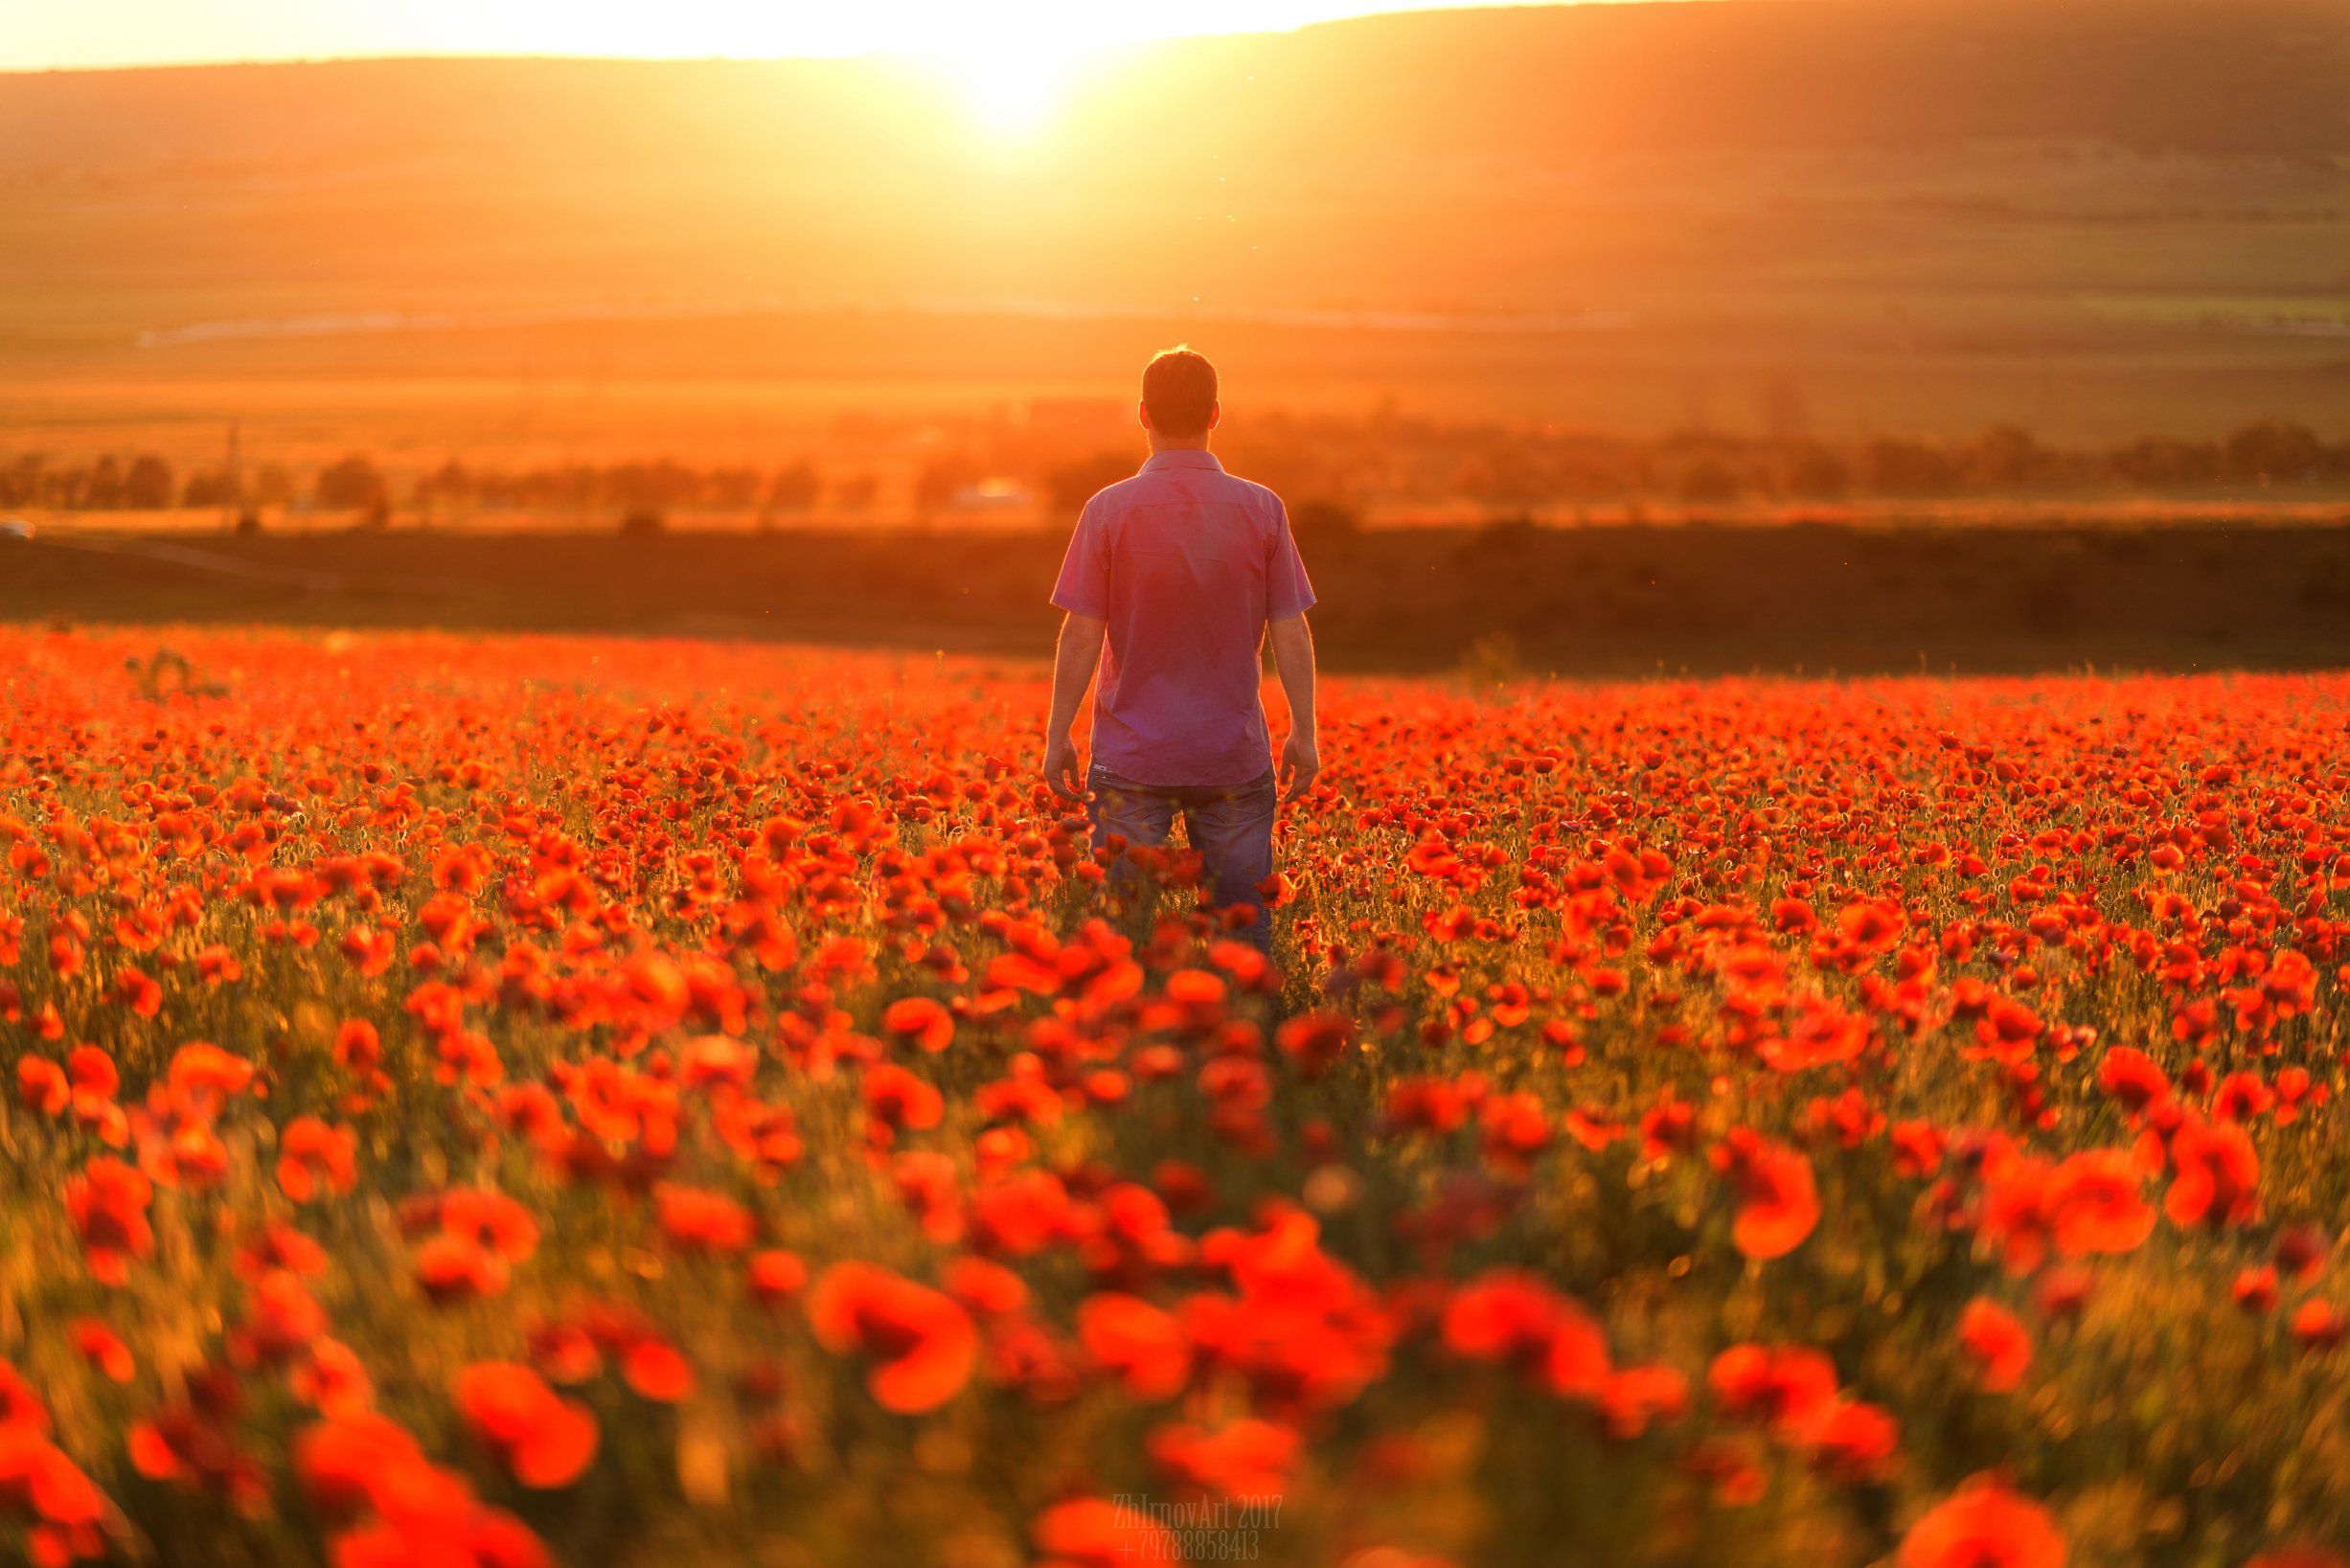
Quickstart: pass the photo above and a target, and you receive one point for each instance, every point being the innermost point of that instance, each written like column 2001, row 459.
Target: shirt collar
column 1181, row 458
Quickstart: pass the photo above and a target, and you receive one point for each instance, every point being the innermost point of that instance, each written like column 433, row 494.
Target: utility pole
column 232, row 486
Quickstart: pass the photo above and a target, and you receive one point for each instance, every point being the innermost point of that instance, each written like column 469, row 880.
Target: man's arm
column 1301, row 758
column 1075, row 653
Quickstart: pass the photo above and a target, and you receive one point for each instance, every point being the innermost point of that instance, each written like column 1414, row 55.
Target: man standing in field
column 1180, row 571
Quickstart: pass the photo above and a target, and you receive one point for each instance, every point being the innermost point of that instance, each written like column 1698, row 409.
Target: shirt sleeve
column 1287, row 591
column 1084, row 588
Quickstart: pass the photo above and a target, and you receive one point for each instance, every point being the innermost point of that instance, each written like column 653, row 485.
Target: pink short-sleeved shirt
column 1187, row 564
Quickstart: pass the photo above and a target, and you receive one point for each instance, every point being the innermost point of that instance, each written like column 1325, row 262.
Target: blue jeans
column 1229, row 827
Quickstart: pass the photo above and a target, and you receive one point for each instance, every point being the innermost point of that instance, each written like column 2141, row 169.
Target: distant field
column 1606, row 599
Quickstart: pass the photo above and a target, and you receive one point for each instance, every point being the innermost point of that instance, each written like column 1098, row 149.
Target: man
column 1178, row 572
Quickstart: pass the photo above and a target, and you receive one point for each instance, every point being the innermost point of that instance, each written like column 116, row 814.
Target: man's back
column 1171, row 580
column 1186, row 565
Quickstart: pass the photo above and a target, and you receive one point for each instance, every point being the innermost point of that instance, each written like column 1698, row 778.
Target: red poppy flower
column 921, row 1022
column 922, row 1344
column 495, row 1221
column 776, row 1277
column 20, row 1406
column 1637, row 1398
column 1312, row 1041
column 1095, row 1532
column 695, row 1220
column 1851, row 1439
column 2130, row 1077
column 2218, row 1175
column 1515, row 1317
column 311, row 1154
column 455, row 1268
column 1246, row 1458
column 1983, row 1525
column 107, row 1204
column 348, row 1462
column 2095, row 1203
column 541, row 1437
column 657, row 1370
column 1142, row 1345
column 2318, row 1326
column 1778, row 1204
column 202, row 1073
column 987, row 1289
column 62, row 1505
column 896, row 1099
column 42, row 1085
column 1784, row 1387
column 1997, row 1343
column 104, row 1349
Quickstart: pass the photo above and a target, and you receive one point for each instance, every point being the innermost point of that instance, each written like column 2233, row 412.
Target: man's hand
column 1075, row 653
column 1293, row 657
column 1300, row 761
column 1061, row 769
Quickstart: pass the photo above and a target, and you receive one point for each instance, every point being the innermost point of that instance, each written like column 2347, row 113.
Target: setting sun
column 1010, row 88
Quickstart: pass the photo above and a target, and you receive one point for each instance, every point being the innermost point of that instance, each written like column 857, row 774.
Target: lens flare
column 1011, row 88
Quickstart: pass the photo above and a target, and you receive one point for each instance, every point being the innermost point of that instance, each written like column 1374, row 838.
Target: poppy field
column 525, row 1100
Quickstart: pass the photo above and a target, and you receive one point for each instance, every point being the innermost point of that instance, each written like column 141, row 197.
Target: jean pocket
column 1256, row 797
column 1098, row 777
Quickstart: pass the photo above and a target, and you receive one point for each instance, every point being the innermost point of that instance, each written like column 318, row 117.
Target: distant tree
column 148, row 484
column 207, row 487
column 1070, row 486
column 794, row 488
column 272, row 487
column 1587, row 470
column 2163, row 463
column 734, row 489
column 1710, row 481
column 2274, row 452
column 1897, row 466
column 354, row 484
column 452, row 481
column 1505, row 475
column 20, row 481
column 2006, row 457
column 1815, row 473
column 102, row 488
column 643, row 523
column 939, row 479
column 660, row 484
column 857, row 492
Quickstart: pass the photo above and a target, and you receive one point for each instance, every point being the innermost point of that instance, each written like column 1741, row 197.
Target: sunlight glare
column 1011, row 87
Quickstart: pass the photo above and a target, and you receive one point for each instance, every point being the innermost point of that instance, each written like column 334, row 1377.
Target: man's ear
column 1142, row 412
column 1216, row 411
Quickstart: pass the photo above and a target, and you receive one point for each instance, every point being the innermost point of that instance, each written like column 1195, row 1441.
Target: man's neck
column 1161, row 443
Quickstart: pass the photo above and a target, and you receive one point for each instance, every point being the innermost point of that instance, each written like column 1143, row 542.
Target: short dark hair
column 1178, row 389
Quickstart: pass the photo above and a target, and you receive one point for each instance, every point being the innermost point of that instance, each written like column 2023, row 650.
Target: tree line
column 1331, row 460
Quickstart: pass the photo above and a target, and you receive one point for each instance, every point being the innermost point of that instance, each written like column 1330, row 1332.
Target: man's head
column 1178, row 394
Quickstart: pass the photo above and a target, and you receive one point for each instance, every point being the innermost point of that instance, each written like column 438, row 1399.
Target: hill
column 2122, row 214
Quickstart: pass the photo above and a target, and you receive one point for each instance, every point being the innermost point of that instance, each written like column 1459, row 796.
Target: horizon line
column 1374, row 11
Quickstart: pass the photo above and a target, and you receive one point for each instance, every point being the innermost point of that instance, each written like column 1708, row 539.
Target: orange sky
column 90, row 32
